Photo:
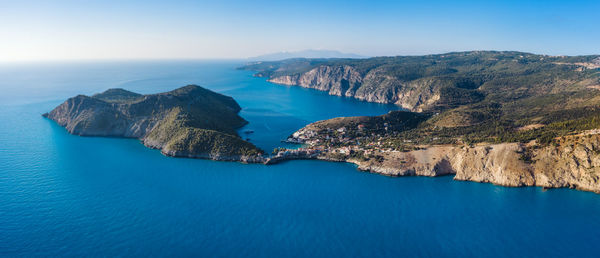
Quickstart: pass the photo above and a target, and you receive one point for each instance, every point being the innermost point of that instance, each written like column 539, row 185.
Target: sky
column 181, row 29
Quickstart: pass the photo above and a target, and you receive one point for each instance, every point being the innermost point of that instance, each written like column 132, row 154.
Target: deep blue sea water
column 64, row 195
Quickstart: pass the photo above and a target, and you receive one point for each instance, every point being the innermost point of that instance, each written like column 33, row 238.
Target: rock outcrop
column 573, row 163
column 337, row 80
column 378, row 86
column 374, row 86
column 187, row 122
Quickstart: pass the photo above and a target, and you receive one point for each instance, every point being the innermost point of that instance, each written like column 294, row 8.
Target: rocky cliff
column 377, row 144
column 187, row 122
column 374, row 86
column 574, row 163
column 434, row 82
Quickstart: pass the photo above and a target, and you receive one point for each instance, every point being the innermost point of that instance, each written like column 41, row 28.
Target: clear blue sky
column 59, row 29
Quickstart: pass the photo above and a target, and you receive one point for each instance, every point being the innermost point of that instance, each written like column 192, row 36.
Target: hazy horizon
column 225, row 59
column 150, row 30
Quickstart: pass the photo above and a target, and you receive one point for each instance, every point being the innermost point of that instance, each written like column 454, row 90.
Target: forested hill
column 439, row 82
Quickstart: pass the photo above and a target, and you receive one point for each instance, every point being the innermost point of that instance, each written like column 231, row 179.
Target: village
column 334, row 144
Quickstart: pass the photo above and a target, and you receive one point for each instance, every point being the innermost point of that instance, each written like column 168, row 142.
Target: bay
column 65, row 195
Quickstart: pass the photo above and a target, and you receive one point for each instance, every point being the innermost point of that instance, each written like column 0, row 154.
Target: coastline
column 499, row 164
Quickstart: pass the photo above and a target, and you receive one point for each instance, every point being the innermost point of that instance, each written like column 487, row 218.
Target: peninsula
column 187, row 122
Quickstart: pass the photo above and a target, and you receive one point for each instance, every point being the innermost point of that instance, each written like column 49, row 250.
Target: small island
column 187, row 122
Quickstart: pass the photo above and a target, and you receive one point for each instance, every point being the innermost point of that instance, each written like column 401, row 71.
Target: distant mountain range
column 309, row 53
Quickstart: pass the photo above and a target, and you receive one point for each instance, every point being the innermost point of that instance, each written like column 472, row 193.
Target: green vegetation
column 176, row 134
column 189, row 121
column 548, row 117
column 365, row 125
column 496, row 74
column 484, row 96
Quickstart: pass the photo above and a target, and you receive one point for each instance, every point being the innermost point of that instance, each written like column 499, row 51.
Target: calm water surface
column 64, row 195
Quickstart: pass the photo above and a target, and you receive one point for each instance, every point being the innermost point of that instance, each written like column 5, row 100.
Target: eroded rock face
column 499, row 164
column 426, row 162
column 435, row 82
column 337, row 80
column 83, row 115
column 374, row 86
column 574, row 163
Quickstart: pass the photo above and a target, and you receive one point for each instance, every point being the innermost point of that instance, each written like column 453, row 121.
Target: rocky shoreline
column 180, row 123
column 573, row 163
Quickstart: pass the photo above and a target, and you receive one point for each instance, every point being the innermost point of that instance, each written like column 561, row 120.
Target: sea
column 69, row 196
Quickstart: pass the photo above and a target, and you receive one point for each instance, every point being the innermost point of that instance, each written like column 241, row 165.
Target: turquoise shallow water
column 64, row 195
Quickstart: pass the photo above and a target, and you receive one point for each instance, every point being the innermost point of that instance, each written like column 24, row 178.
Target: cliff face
column 568, row 161
column 499, row 164
column 380, row 87
column 573, row 163
column 338, row 80
column 435, row 82
column 88, row 116
column 375, row 86
column 188, row 122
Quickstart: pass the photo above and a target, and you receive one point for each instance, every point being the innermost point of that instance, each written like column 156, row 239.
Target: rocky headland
column 187, row 122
